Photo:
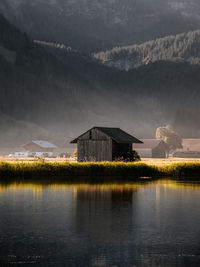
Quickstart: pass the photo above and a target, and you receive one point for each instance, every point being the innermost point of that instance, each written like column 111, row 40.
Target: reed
column 103, row 169
column 189, row 170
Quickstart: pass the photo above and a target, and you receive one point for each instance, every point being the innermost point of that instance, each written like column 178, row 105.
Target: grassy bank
column 124, row 171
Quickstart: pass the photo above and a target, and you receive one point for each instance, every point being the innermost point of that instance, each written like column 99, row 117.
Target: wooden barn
column 190, row 148
column 39, row 146
column 104, row 144
column 151, row 148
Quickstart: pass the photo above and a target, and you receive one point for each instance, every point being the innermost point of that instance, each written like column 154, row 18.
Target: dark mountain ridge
column 36, row 87
column 42, row 96
column 100, row 25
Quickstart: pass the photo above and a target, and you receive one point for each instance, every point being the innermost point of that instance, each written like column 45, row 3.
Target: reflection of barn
column 40, row 146
column 104, row 144
column 97, row 212
column 151, row 148
column 190, row 148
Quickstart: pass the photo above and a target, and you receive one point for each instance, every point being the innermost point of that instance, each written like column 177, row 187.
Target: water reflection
column 109, row 211
column 139, row 224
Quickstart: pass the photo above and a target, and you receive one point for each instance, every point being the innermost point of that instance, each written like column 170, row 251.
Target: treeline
column 181, row 47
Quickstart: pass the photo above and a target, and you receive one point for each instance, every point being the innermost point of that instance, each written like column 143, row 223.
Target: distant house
column 40, row 147
column 104, row 144
column 190, row 148
column 151, row 148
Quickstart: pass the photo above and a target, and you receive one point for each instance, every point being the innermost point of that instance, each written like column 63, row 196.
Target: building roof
column 115, row 134
column 190, row 144
column 44, row 144
column 148, row 143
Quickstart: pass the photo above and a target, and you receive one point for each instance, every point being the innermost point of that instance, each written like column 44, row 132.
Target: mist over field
column 68, row 65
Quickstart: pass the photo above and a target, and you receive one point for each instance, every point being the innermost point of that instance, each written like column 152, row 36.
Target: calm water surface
column 147, row 224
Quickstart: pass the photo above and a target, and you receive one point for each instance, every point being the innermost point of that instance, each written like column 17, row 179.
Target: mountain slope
column 38, row 89
column 35, row 86
column 181, row 47
column 62, row 98
column 95, row 25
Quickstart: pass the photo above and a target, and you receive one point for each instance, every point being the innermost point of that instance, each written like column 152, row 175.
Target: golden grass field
column 168, row 161
column 56, row 167
column 148, row 161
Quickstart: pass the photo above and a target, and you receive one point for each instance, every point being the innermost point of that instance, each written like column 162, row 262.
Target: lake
column 153, row 223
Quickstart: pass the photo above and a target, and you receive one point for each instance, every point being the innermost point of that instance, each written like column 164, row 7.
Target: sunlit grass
column 125, row 171
column 39, row 168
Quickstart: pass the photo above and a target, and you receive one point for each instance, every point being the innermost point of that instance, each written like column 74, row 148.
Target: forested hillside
column 57, row 93
column 35, row 86
column 178, row 48
column 100, row 25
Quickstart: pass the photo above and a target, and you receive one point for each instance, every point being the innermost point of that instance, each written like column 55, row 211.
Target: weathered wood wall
column 97, row 146
column 94, row 146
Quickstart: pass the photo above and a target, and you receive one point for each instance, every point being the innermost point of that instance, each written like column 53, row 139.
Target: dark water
column 149, row 224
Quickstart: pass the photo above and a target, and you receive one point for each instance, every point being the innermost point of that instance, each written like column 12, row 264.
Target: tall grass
column 189, row 170
column 9, row 169
column 117, row 170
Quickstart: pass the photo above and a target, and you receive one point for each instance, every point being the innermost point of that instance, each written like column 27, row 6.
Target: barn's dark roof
column 116, row 134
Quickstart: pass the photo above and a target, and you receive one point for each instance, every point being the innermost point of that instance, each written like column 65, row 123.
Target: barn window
column 90, row 135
